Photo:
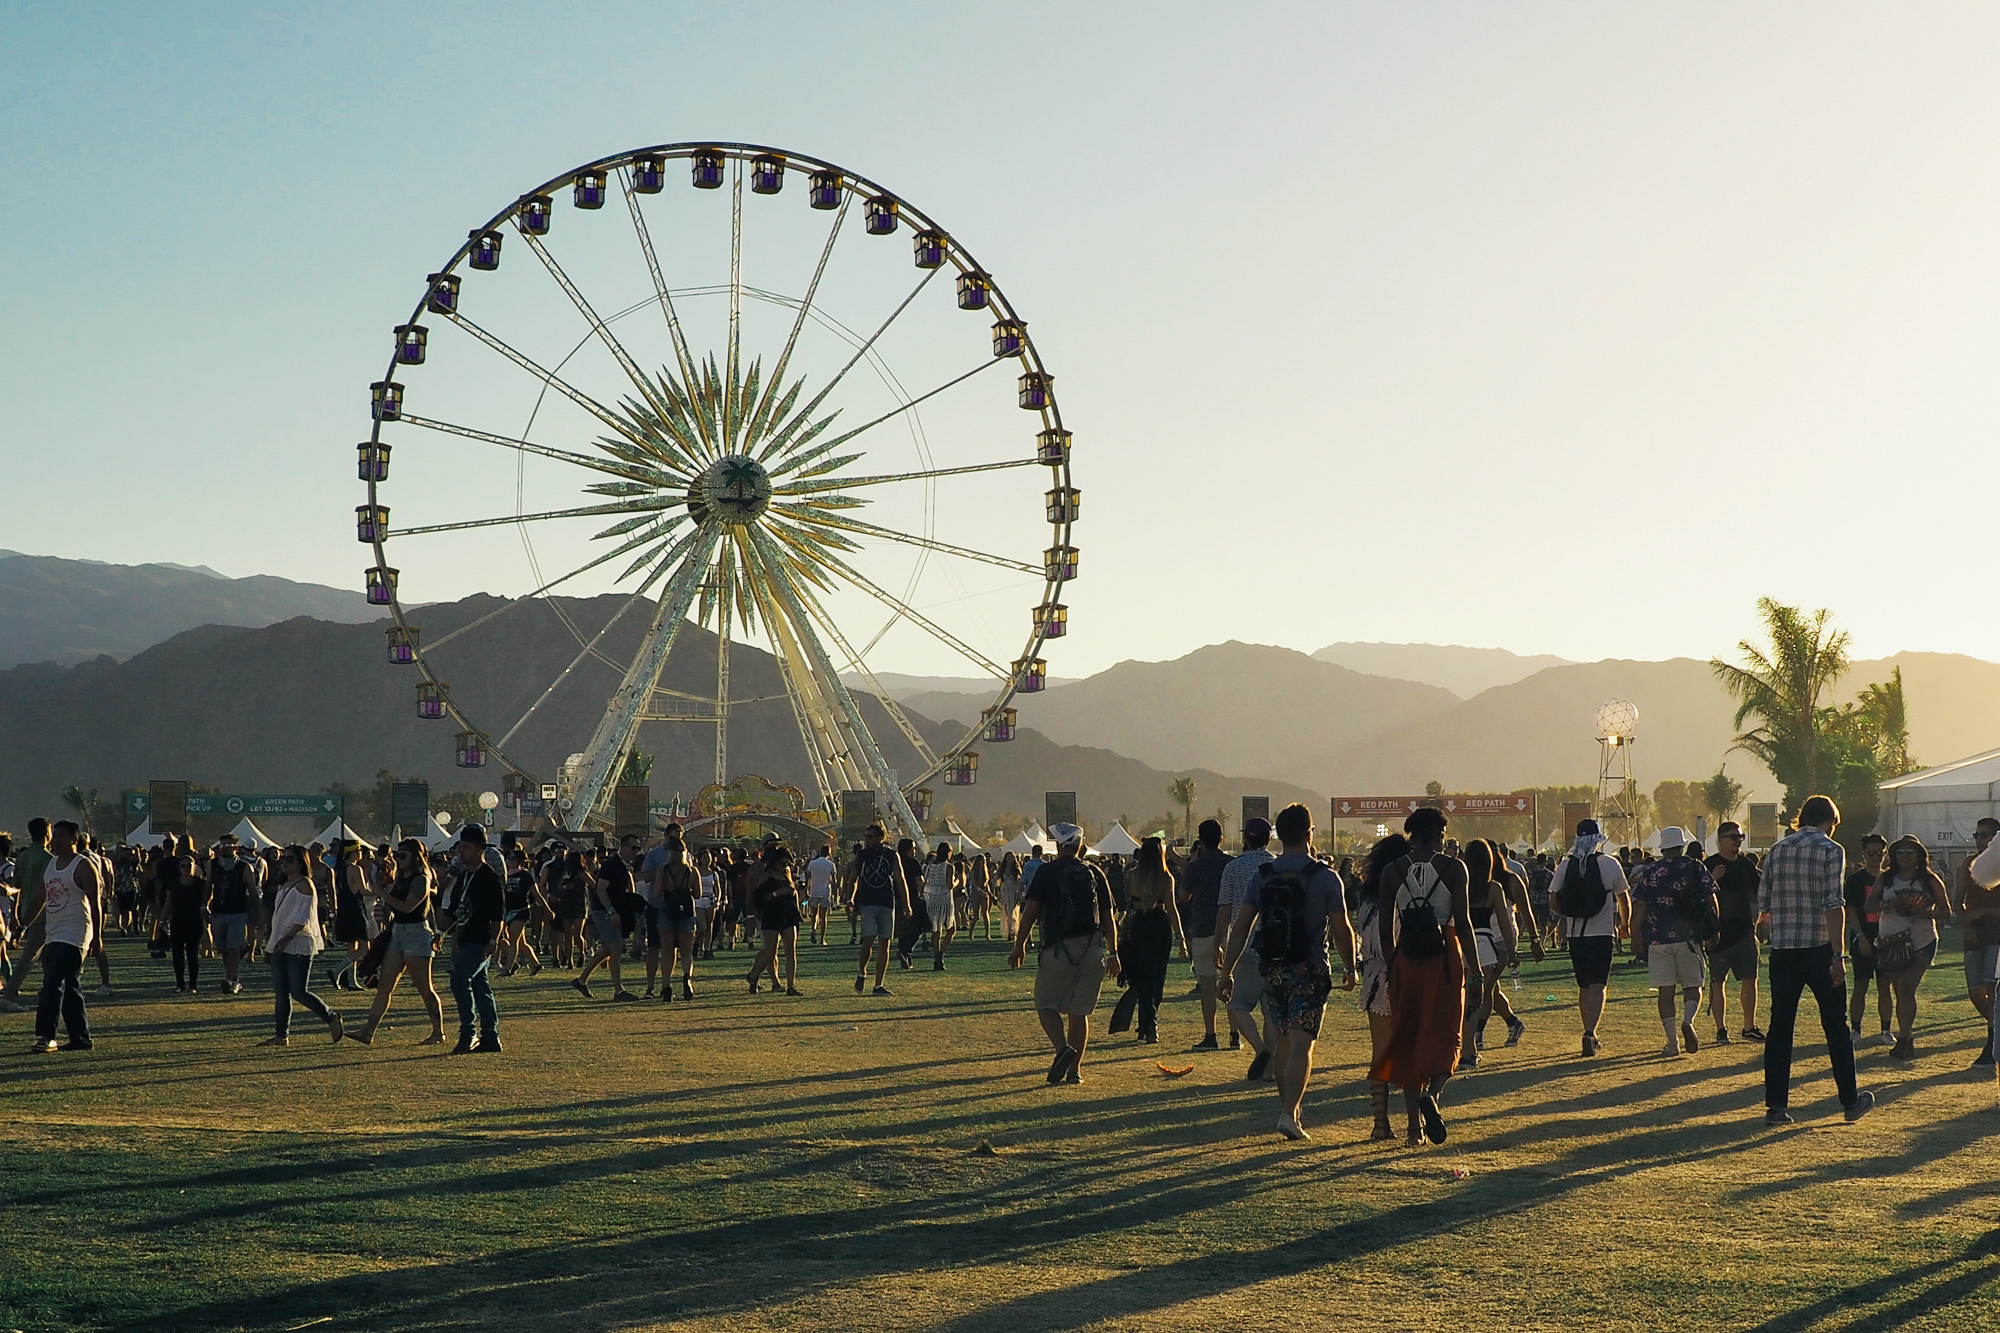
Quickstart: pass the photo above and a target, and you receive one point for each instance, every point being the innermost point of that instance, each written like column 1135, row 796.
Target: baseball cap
column 1587, row 828
column 1065, row 834
column 1257, row 828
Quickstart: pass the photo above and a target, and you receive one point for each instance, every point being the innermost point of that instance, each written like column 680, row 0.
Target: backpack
column 676, row 896
column 231, row 888
column 1418, row 933
column 1699, row 917
column 1284, row 936
column 1582, row 893
column 1072, row 901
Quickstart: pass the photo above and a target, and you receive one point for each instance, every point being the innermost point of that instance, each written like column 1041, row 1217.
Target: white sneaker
column 1291, row 1129
column 102, row 992
column 1672, row 1048
column 1883, row 1039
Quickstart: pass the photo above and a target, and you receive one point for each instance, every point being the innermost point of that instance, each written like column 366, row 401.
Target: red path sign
column 1385, row 807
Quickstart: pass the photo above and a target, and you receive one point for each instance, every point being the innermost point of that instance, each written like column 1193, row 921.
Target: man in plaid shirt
column 1801, row 894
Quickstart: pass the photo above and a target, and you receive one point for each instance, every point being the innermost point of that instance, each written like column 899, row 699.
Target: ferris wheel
column 821, row 462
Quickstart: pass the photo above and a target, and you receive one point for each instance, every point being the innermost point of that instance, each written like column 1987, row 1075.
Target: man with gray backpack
column 1299, row 905
column 1589, row 894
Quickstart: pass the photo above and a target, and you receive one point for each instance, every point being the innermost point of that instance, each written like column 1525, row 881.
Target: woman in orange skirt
column 1426, row 934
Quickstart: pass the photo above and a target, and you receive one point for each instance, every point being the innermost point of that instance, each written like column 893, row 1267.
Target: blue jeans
column 291, row 978
column 473, row 989
column 61, row 991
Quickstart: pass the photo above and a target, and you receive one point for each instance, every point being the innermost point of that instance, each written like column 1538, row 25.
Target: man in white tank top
column 69, row 916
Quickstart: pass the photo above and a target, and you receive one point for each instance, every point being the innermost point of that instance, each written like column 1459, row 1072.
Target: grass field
column 840, row 1163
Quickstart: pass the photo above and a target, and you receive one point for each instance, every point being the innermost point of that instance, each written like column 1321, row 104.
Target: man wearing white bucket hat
column 1079, row 948
column 1673, row 910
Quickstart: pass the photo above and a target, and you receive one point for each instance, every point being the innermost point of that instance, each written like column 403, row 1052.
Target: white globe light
column 443, row 818
column 487, row 800
column 1618, row 718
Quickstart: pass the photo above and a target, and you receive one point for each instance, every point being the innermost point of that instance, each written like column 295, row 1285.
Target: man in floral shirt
column 1673, row 911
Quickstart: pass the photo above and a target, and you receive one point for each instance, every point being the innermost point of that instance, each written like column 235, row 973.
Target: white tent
column 959, row 839
column 1028, row 838
column 435, row 838
column 1942, row 805
column 337, row 831
column 1117, row 842
column 250, row 835
column 143, row 836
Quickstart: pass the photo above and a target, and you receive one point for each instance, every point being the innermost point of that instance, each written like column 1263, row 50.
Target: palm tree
column 1182, row 792
column 1722, row 794
column 83, row 802
column 1782, row 690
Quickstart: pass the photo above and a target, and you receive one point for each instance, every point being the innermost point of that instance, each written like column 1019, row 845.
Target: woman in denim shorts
column 411, row 943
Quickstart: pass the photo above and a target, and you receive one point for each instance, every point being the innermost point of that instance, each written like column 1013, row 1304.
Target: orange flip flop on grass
column 1173, row 1073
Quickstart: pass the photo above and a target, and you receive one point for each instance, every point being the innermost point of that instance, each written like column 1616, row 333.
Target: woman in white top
column 1010, row 894
column 704, row 906
column 941, row 879
column 295, row 939
column 1910, row 898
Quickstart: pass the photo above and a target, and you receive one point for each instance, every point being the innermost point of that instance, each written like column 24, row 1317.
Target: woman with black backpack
column 679, row 888
column 1150, row 931
column 1425, row 928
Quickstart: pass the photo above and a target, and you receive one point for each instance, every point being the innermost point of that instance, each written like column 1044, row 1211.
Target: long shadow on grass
column 992, row 1211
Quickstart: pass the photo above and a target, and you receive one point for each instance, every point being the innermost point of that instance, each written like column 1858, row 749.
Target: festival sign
column 1058, row 807
column 1256, row 807
column 1385, row 807
column 148, row 803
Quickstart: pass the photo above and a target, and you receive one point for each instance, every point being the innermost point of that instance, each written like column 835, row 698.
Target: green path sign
column 138, row 806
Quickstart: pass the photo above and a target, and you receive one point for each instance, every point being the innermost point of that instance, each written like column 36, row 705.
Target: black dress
column 350, row 914
column 778, row 904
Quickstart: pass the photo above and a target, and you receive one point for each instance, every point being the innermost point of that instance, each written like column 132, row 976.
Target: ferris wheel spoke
column 613, row 735
column 589, row 650
column 765, row 412
column 663, row 526
column 922, row 621
column 661, row 294
column 561, row 386
column 877, row 769
column 732, row 411
column 859, row 664
column 824, row 753
column 639, row 378
column 798, row 420
column 651, row 504
column 798, row 460
column 806, row 514
column 806, row 486
column 637, row 472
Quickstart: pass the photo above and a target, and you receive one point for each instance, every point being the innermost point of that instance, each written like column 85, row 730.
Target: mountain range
column 300, row 695
column 1463, row 671
column 55, row 610
column 292, row 707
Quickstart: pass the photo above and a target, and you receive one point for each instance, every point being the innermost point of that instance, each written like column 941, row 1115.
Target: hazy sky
column 1561, row 328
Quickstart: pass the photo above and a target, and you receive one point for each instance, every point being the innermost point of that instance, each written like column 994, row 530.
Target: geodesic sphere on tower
column 1619, row 718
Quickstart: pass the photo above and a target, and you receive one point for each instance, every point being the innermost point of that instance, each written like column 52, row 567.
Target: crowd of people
column 1424, row 932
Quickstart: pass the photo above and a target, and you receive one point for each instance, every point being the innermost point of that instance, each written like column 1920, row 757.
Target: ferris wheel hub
column 734, row 489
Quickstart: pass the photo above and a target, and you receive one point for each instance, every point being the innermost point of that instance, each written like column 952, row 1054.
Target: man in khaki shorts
column 1072, row 900
column 1673, row 911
